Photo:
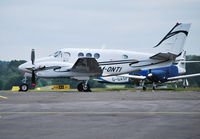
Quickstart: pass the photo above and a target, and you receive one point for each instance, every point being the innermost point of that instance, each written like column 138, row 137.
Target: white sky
column 49, row 25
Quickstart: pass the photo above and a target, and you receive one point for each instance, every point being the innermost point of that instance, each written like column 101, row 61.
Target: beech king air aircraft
column 170, row 74
column 81, row 64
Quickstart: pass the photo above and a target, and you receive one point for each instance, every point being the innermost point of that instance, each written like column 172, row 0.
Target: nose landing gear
column 24, row 86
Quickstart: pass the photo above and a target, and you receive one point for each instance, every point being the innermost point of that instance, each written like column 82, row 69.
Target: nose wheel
column 23, row 87
column 83, row 87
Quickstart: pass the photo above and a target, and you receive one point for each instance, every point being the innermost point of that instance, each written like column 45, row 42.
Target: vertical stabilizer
column 174, row 41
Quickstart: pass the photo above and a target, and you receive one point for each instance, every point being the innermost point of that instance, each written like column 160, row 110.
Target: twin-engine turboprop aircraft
column 81, row 64
column 169, row 74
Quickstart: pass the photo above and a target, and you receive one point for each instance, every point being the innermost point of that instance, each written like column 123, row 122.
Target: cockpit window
column 58, row 53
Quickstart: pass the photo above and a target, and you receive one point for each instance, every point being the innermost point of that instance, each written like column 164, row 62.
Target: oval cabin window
column 96, row 56
column 80, row 54
column 124, row 56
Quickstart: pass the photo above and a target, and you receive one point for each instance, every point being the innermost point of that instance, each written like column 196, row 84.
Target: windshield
column 56, row 54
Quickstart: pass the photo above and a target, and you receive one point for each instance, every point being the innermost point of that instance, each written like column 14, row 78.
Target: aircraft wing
column 138, row 77
column 183, row 77
column 87, row 66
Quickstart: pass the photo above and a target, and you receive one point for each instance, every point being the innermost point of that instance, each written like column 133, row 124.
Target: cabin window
column 96, row 56
column 124, row 56
column 88, row 55
column 80, row 54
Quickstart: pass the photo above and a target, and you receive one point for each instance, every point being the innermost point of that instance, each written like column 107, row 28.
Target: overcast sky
column 49, row 25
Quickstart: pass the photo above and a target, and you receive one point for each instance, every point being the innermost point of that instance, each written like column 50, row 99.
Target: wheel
column 83, row 88
column 80, row 87
column 154, row 88
column 86, row 88
column 23, row 87
column 144, row 88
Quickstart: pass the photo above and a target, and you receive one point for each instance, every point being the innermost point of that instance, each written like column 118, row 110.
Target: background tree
column 192, row 68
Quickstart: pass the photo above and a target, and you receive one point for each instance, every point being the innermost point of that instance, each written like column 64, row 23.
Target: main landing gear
column 154, row 86
column 143, row 86
column 185, row 83
column 83, row 87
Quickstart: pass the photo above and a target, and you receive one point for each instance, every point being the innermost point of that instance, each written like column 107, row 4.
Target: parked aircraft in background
column 169, row 74
column 81, row 64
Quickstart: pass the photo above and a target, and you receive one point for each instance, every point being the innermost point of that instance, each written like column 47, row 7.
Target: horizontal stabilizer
column 164, row 56
column 183, row 76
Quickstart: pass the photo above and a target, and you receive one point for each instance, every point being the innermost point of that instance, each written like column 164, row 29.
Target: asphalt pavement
column 100, row 115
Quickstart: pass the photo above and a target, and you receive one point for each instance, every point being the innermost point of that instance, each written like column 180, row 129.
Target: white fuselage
column 112, row 62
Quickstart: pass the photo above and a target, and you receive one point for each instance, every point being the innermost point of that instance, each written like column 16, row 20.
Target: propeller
column 150, row 73
column 33, row 81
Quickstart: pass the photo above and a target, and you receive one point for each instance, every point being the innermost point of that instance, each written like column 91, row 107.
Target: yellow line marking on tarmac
column 3, row 97
column 100, row 113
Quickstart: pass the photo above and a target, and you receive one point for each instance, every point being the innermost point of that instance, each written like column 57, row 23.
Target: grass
column 111, row 88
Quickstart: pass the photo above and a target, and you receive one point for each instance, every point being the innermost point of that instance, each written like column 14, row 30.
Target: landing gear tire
column 86, row 88
column 154, row 88
column 82, row 87
column 23, row 87
column 144, row 88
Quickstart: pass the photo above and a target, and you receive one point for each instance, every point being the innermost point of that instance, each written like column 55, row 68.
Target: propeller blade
column 33, row 68
column 33, row 56
column 33, row 78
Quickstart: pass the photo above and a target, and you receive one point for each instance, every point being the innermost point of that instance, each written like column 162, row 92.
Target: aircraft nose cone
column 21, row 67
column 24, row 67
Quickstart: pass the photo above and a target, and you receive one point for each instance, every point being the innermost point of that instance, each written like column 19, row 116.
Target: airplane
column 170, row 74
column 82, row 64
